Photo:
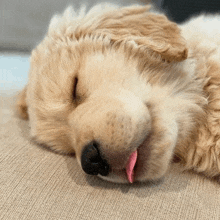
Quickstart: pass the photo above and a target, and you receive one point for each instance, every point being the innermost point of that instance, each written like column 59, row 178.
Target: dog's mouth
column 134, row 166
column 137, row 159
column 131, row 170
column 130, row 166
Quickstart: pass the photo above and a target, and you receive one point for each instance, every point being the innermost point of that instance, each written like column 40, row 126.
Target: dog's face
column 104, row 91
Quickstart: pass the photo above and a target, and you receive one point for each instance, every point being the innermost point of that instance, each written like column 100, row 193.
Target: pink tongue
column 130, row 166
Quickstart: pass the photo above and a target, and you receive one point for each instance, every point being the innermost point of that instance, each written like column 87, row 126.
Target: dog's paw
column 21, row 105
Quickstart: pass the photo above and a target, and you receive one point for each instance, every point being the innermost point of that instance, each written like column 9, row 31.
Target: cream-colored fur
column 129, row 79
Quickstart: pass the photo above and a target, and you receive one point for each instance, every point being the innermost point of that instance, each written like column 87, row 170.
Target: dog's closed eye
column 75, row 82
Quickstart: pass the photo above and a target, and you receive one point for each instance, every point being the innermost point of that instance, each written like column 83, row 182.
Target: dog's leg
column 204, row 155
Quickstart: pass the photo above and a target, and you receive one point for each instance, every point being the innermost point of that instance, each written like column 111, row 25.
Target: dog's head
column 100, row 85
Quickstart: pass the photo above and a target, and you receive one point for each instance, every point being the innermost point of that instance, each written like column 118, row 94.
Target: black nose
column 92, row 162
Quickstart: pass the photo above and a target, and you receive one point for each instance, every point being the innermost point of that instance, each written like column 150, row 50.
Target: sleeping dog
column 125, row 90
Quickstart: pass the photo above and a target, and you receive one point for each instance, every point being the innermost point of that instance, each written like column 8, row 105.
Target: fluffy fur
column 129, row 79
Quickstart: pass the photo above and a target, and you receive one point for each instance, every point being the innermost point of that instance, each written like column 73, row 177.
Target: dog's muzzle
column 92, row 162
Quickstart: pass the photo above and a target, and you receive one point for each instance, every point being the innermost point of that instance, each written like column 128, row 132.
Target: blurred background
column 23, row 24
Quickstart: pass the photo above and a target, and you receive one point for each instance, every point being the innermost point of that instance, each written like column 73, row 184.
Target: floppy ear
column 150, row 30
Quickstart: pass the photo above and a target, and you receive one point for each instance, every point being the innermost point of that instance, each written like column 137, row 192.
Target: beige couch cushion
column 38, row 184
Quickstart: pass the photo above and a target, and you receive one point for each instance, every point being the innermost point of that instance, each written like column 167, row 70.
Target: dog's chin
column 118, row 176
column 143, row 171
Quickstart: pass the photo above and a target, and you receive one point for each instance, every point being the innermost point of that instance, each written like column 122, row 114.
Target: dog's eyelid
column 75, row 82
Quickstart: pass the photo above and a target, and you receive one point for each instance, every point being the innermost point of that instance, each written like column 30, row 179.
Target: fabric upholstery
column 38, row 184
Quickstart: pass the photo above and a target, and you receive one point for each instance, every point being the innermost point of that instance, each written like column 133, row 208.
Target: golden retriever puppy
column 126, row 89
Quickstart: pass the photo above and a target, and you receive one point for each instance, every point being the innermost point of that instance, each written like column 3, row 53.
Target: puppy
column 126, row 89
